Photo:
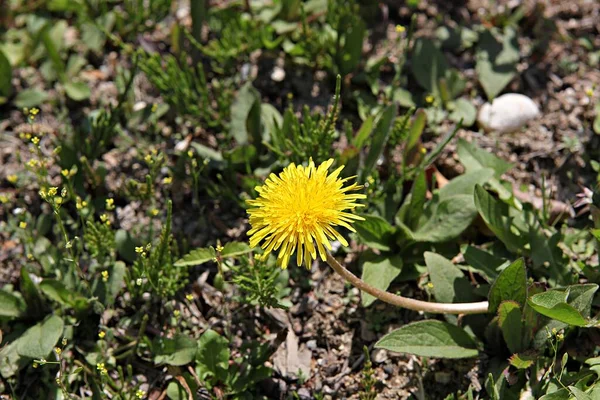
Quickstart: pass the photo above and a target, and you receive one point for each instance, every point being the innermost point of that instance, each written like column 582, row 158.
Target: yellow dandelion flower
column 299, row 210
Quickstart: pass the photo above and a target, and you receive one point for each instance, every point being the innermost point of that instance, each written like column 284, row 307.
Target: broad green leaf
column 509, row 320
column 430, row 338
column 39, row 340
column 495, row 214
column 449, row 283
column 57, row 291
column 116, row 280
column 31, row 294
column 213, row 356
column 246, row 99
column 465, row 184
column 428, row 64
column 180, row 350
column 379, row 271
column 496, row 61
column 548, row 257
column 484, row 263
column 5, row 76
column 10, row 305
column 474, row 159
column 30, row 98
column 77, row 91
column 450, row 218
column 580, row 394
column 463, row 111
column 233, row 249
column 511, row 284
column 563, row 305
column 196, row 257
column 379, row 139
column 523, row 360
column 375, row 232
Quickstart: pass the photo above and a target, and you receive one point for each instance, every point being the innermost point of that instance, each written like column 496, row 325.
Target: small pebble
column 507, row 113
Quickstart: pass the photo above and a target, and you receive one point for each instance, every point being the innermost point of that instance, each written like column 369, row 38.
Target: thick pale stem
column 412, row 304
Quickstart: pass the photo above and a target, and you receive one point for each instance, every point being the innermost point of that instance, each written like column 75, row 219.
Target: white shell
column 507, row 113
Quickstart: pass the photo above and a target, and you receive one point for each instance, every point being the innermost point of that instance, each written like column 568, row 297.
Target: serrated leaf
column 39, row 340
column 379, row 271
column 511, row 284
column 449, row 283
column 510, row 322
column 375, row 232
column 213, row 356
column 430, row 338
column 522, row 360
column 180, row 350
column 233, row 249
column 196, row 257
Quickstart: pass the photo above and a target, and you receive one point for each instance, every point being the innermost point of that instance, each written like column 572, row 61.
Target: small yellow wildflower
column 65, row 173
column 29, row 256
column 32, row 163
column 110, row 204
column 104, row 276
column 101, row 334
column 154, row 212
column 3, row 199
column 52, row 191
column 139, row 281
column 58, row 350
column 589, row 92
column 100, row 366
column 34, row 111
column 429, row 99
column 167, row 180
column 298, row 211
column 430, row 285
column 58, row 201
column 148, row 159
column 139, row 249
column 104, row 218
column 35, row 140
column 190, row 154
column 176, row 313
column 12, row 178
column 219, row 248
column 154, row 107
column 400, row 29
column 189, row 296
column 140, row 394
column 64, row 341
column 22, row 224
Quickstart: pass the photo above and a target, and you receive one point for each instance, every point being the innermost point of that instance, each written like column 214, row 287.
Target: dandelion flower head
column 299, row 210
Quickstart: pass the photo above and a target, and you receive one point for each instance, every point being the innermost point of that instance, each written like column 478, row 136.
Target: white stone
column 507, row 113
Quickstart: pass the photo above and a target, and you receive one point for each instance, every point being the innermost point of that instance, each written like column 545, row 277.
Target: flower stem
column 412, row 304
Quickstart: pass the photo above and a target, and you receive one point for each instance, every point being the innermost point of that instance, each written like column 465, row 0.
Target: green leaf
column 77, row 91
column 375, row 232
column 463, row 111
column 570, row 305
column 511, row 284
column 114, row 284
column 125, row 245
column 246, row 99
column 5, row 76
column 579, row 394
column 379, row 139
column 495, row 214
column 523, row 360
column 351, row 51
column 428, row 64
column 39, row 340
column 449, row 283
column 465, row 184
column 449, row 219
column 57, row 291
column 213, row 356
column 233, row 249
column 416, row 130
column 31, row 294
column 30, row 98
column 430, row 338
column 363, row 133
column 474, row 159
column 484, row 263
column 379, row 271
column 417, row 201
column 180, row 350
column 197, row 257
column 496, row 61
column 510, row 322
column 206, row 152
column 11, row 305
